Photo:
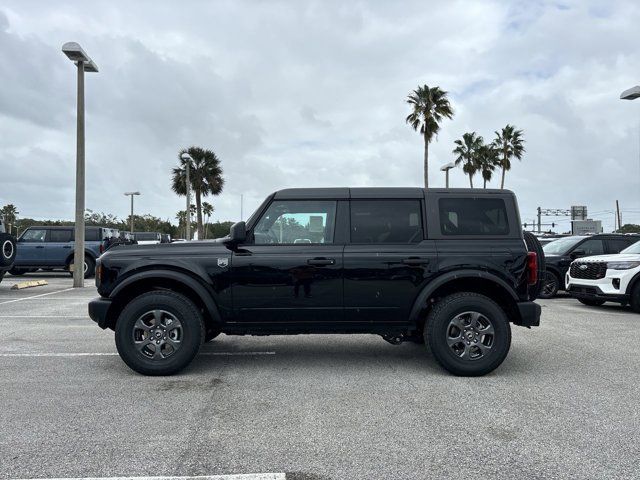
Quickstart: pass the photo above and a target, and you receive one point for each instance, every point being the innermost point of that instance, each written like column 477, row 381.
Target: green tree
column 629, row 228
column 467, row 153
column 10, row 214
column 488, row 160
column 205, row 176
column 207, row 211
column 430, row 106
column 510, row 144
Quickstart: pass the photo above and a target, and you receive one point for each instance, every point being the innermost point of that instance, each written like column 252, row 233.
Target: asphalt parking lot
column 563, row 405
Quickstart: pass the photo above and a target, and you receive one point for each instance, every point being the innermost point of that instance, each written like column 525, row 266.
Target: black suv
column 448, row 268
column 560, row 253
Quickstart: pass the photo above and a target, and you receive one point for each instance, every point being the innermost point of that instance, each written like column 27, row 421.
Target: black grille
column 588, row 270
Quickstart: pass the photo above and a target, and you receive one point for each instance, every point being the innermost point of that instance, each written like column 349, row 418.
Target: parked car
column 607, row 278
column 445, row 267
column 8, row 250
column 147, row 238
column 560, row 253
column 53, row 248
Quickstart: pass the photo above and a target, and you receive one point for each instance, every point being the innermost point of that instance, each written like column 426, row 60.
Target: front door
column 30, row 249
column 290, row 270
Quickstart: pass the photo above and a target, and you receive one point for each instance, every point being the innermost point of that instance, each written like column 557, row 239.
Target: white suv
column 607, row 278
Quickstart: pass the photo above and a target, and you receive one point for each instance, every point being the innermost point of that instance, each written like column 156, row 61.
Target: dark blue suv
column 52, row 248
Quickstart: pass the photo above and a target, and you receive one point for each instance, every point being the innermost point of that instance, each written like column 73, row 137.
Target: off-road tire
column 534, row 245
column 177, row 305
column 91, row 267
column 635, row 298
column 8, row 250
column 436, row 332
column 550, row 285
column 591, row 302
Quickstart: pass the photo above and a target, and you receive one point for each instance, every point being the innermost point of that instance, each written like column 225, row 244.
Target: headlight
column 622, row 265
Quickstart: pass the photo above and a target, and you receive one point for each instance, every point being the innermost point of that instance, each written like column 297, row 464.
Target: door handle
column 66, row 246
column 39, row 246
column 321, row 261
column 415, row 261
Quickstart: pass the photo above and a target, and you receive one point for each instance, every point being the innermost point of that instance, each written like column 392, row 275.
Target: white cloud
column 312, row 93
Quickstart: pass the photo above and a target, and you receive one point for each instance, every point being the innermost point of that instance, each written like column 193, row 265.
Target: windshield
column 635, row 248
column 561, row 246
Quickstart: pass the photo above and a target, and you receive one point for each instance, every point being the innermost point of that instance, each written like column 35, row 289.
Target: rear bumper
column 99, row 311
column 592, row 292
column 529, row 314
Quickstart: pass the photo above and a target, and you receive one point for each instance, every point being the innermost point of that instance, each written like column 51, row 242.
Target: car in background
column 147, row 238
column 607, row 278
column 7, row 250
column 165, row 238
column 560, row 253
column 52, row 248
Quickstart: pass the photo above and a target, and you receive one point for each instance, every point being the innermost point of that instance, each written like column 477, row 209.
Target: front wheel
column 635, row 298
column 591, row 302
column 468, row 334
column 550, row 285
column 159, row 333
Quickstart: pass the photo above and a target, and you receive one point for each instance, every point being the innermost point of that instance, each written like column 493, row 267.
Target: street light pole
column 76, row 54
column 631, row 94
column 132, row 194
column 187, row 159
column 445, row 169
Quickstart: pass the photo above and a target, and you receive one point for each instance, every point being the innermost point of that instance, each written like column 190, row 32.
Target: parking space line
column 113, row 354
column 246, row 476
column 35, row 296
column 44, row 316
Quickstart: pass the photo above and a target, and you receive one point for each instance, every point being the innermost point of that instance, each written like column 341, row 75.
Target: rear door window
column 386, row 221
column 616, row 245
column 593, row 246
column 59, row 236
column 473, row 216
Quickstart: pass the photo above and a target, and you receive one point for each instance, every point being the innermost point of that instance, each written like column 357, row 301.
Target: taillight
column 532, row 268
column 101, row 248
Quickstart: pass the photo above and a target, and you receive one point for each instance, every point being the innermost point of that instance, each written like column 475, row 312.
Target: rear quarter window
column 473, row 216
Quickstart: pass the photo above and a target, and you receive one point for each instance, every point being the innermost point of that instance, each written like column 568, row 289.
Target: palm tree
column 207, row 210
column 510, row 144
column 181, row 216
column 430, row 106
column 205, row 175
column 467, row 153
column 488, row 160
column 10, row 214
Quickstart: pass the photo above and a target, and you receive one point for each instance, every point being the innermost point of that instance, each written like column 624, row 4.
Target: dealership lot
column 316, row 407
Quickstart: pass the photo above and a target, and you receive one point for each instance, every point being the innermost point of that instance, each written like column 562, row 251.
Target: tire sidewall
column 437, row 335
column 192, row 327
column 89, row 264
column 557, row 286
column 7, row 243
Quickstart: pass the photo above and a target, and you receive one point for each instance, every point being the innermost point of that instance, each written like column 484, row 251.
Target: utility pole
column 132, row 194
column 618, row 215
column 187, row 162
column 539, row 220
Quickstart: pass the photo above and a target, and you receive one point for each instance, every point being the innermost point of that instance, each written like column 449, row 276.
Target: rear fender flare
column 427, row 291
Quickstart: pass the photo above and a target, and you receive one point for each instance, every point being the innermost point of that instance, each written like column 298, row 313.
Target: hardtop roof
column 379, row 192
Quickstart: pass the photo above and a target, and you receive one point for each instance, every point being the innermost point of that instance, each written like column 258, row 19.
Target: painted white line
column 36, row 296
column 44, row 316
column 113, row 354
column 247, row 476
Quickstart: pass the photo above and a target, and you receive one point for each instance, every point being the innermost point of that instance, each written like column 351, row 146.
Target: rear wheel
column 592, row 302
column 550, row 285
column 468, row 334
column 89, row 267
column 159, row 333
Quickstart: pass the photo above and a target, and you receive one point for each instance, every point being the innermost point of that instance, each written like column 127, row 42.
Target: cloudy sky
column 304, row 93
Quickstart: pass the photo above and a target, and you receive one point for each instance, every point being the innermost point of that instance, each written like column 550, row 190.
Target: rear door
column 616, row 245
column 388, row 259
column 58, row 246
column 290, row 271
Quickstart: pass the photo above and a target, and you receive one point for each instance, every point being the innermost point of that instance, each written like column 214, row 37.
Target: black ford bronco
column 447, row 268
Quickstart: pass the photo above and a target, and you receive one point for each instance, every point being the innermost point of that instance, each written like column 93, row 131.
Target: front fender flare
column 428, row 290
column 191, row 282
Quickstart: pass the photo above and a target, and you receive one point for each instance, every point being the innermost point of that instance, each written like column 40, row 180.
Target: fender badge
column 223, row 262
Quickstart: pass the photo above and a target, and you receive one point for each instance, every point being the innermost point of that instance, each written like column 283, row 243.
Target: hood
column 617, row 257
column 164, row 249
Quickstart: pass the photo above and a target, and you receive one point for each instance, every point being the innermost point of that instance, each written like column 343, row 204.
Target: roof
column 377, row 192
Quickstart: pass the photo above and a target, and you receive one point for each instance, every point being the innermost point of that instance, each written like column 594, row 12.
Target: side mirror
column 237, row 233
column 578, row 253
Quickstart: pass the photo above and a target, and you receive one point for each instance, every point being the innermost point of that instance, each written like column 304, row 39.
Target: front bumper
column 99, row 311
column 593, row 292
column 529, row 314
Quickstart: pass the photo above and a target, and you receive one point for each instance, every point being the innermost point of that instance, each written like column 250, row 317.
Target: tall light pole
column 445, row 169
column 187, row 160
column 132, row 194
column 631, row 94
column 76, row 54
